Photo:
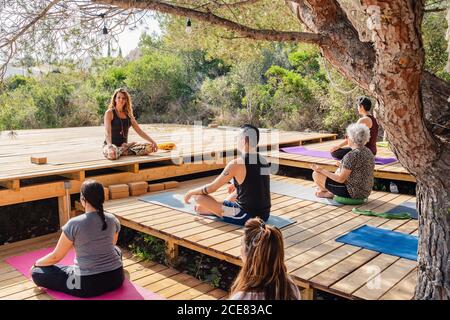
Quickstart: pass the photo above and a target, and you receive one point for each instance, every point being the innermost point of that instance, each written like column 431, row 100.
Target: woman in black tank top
column 364, row 105
column 250, row 195
column 118, row 120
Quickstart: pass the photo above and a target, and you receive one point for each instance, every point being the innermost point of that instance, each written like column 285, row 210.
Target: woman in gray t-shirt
column 98, row 265
column 354, row 178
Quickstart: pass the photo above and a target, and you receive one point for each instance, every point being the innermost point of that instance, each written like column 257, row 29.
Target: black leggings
column 336, row 188
column 340, row 153
column 63, row 279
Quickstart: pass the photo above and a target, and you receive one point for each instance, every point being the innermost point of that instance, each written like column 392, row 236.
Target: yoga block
column 170, row 184
column 39, row 160
column 119, row 191
column 106, row 190
column 138, row 188
column 155, row 187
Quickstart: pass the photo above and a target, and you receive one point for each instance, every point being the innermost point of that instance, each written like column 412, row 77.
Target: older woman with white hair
column 354, row 177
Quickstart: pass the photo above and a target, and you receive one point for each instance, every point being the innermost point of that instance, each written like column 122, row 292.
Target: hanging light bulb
column 188, row 26
column 104, row 30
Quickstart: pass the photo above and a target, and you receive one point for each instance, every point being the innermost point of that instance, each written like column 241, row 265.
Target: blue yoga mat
column 408, row 207
column 299, row 192
column 175, row 200
column 385, row 241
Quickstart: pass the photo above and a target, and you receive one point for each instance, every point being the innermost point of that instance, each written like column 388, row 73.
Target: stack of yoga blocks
column 133, row 189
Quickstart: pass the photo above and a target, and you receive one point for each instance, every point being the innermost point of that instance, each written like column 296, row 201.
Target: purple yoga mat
column 327, row 155
column 128, row 291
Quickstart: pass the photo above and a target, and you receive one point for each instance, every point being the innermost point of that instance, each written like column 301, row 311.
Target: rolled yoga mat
column 175, row 200
column 381, row 240
column 327, row 155
column 128, row 291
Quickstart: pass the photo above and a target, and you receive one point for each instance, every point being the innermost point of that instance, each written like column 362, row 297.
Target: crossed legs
column 319, row 180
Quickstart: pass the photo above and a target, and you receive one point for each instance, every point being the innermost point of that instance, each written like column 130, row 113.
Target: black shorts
column 336, row 188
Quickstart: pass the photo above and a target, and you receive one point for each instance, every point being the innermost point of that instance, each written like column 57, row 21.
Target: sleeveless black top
column 119, row 129
column 253, row 195
column 372, row 144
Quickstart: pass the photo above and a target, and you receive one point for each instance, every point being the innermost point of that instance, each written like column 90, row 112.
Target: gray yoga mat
column 299, row 192
column 406, row 207
column 175, row 200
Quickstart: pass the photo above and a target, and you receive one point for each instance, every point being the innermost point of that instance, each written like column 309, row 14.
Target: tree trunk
column 433, row 191
column 397, row 84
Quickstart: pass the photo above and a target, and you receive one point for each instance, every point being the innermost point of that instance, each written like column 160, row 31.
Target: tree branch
column 435, row 10
column 351, row 56
column 248, row 32
column 32, row 22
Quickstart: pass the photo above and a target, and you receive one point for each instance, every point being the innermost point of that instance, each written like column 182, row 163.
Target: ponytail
column 93, row 192
column 101, row 213
column 264, row 270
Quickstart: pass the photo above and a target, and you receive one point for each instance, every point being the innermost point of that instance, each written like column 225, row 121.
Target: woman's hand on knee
column 112, row 154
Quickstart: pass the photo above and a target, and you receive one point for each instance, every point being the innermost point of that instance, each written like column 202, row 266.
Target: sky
column 128, row 40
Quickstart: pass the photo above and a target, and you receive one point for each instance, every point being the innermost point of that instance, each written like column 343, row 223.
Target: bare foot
column 324, row 194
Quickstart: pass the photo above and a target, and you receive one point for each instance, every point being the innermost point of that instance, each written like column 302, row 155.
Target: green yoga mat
column 384, row 215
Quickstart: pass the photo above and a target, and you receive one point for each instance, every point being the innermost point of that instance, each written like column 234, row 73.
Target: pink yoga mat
column 128, row 291
column 327, row 155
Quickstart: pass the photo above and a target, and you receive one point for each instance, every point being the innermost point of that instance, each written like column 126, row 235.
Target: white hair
column 358, row 133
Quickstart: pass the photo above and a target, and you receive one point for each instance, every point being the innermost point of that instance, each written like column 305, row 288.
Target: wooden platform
column 74, row 154
column 393, row 171
column 313, row 257
column 75, row 151
column 167, row 282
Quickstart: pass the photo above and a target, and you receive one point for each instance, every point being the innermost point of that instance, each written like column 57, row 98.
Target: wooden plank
column 172, row 253
column 11, row 184
column 32, row 193
column 78, row 175
column 404, row 290
column 133, row 168
column 364, row 274
column 63, row 210
column 385, row 280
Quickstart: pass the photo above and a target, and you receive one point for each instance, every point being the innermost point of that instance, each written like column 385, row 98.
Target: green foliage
column 148, row 247
column 202, row 267
column 55, row 100
column 434, row 28
column 17, row 81
column 286, row 88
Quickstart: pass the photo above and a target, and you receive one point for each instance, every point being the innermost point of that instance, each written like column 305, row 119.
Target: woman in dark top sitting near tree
column 354, row 177
column 250, row 196
column 98, row 265
column 118, row 120
column 364, row 106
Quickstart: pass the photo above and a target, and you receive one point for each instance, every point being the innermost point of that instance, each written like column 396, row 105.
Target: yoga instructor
column 118, row 120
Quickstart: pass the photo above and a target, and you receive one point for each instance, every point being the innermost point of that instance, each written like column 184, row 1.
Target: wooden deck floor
column 73, row 151
column 313, row 257
column 394, row 171
column 167, row 282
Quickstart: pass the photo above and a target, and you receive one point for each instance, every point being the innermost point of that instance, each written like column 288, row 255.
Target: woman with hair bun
column 98, row 265
column 264, row 274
